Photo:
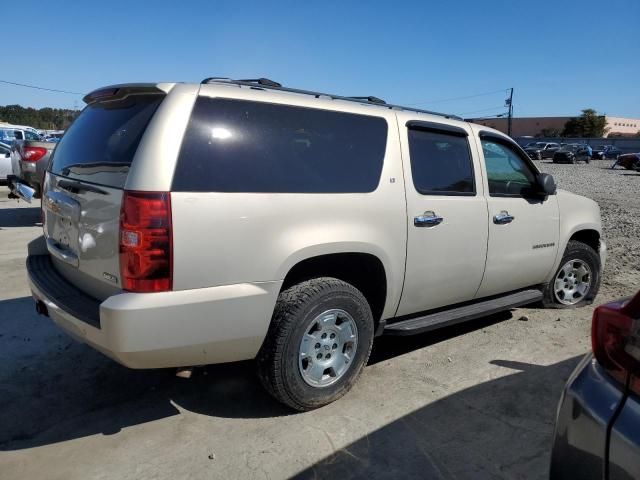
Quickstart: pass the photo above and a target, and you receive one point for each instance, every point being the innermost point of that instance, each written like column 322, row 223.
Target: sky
column 558, row 56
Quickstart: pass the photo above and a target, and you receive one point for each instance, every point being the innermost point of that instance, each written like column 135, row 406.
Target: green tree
column 43, row 118
column 588, row 124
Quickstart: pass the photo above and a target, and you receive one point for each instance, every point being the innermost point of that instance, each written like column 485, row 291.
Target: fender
column 393, row 276
column 577, row 214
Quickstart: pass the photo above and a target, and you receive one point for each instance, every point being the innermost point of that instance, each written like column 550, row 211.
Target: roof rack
column 265, row 83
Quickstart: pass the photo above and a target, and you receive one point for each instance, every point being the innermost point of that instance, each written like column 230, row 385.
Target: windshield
column 100, row 144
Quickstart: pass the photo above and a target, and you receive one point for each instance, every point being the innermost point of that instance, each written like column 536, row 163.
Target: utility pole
column 509, row 103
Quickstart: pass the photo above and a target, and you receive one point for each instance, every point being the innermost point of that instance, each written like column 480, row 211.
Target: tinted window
column 242, row 146
column 507, row 172
column 440, row 163
column 100, row 144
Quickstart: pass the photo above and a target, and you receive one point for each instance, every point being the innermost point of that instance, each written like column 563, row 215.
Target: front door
column 523, row 227
column 447, row 215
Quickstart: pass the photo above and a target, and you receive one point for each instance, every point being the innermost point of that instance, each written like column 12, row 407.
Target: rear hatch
column 84, row 187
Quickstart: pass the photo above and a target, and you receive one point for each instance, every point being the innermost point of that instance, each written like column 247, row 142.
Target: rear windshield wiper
column 77, row 187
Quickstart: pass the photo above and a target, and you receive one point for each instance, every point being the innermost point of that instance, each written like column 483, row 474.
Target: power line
column 40, row 88
column 458, row 98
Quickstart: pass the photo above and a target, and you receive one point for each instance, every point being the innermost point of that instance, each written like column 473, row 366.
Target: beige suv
column 191, row 224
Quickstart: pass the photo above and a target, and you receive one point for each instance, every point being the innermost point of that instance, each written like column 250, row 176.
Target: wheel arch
column 589, row 234
column 364, row 270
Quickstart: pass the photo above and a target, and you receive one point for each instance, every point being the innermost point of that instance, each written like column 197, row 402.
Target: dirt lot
column 476, row 401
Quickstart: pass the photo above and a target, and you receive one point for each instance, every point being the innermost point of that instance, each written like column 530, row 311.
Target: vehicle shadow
column 502, row 428
column 54, row 389
column 19, row 217
column 387, row 347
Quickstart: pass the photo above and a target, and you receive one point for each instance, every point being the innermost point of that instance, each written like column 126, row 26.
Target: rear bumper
column 586, row 408
column 16, row 186
column 167, row 329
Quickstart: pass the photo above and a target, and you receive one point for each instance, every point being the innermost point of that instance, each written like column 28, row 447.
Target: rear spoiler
column 118, row 92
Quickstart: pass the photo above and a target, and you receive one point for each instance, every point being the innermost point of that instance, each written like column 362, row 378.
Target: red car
column 630, row 161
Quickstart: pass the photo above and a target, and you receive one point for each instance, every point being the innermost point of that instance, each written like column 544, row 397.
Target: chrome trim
column 428, row 219
column 503, row 218
column 64, row 255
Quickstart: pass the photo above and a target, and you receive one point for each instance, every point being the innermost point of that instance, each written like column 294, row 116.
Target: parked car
column 5, row 163
column 7, row 135
column 542, row 150
column 630, row 161
column 29, row 160
column 598, row 420
column 603, row 152
column 572, row 153
column 273, row 227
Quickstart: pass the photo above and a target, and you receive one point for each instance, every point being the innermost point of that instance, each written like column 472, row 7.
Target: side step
column 455, row 315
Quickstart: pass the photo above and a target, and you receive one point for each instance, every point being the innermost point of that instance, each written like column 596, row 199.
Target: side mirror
column 546, row 184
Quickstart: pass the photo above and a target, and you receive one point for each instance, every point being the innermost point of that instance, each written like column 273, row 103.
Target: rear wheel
column 318, row 342
column 577, row 280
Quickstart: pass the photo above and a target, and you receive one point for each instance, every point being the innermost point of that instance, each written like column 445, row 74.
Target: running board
column 452, row 316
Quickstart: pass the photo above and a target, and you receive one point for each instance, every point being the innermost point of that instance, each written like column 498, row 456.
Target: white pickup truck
column 189, row 224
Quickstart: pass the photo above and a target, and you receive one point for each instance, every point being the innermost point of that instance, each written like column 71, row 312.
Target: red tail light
column 146, row 250
column 33, row 154
column 615, row 338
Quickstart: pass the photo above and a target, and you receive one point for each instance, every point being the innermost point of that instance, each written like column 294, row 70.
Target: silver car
column 5, row 163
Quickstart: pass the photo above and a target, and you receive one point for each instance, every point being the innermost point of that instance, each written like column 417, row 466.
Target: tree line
column 41, row 118
column 588, row 125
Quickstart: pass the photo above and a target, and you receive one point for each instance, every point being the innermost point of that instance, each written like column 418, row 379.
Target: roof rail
column 267, row 84
column 377, row 100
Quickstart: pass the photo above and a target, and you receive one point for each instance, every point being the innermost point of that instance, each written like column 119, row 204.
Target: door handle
column 503, row 217
column 427, row 219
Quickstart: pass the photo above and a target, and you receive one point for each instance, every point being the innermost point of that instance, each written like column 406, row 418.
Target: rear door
column 83, row 189
column 447, row 224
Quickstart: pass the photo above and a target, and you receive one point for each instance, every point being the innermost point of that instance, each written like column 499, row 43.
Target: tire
column 576, row 252
column 539, row 156
column 587, row 160
column 280, row 363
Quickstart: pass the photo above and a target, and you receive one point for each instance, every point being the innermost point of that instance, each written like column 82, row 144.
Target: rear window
column 100, row 144
column 244, row 146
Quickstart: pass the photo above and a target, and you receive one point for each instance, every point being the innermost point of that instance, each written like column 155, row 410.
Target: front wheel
column 577, row 280
column 318, row 342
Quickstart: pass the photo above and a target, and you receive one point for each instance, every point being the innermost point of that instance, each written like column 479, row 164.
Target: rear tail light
column 615, row 337
column 146, row 250
column 33, row 154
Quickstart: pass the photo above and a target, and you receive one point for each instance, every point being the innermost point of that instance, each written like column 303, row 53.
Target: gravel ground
column 618, row 194
column 475, row 401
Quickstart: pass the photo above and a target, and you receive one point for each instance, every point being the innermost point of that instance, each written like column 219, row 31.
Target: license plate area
column 62, row 220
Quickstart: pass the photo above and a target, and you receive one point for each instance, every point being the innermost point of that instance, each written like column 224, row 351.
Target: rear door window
column 100, row 144
column 440, row 163
column 244, row 146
